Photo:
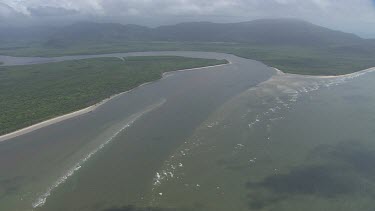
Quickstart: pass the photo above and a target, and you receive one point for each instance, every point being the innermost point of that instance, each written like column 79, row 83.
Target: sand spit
column 355, row 74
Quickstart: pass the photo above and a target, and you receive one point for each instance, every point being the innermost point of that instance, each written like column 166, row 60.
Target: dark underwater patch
column 134, row 208
column 344, row 169
column 323, row 181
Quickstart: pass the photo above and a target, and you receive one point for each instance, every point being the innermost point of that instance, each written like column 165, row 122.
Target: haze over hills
column 98, row 32
column 264, row 31
column 292, row 45
column 27, row 34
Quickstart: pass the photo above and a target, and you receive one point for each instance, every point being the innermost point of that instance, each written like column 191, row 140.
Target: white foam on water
column 288, row 90
column 41, row 200
column 213, row 124
column 272, row 98
column 284, row 94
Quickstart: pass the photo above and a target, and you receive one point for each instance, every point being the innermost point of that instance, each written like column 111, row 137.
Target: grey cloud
column 51, row 11
column 349, row 15
column 7, row 11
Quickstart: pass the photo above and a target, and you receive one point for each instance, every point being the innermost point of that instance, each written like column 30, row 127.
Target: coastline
column 368, row 70
column 86, row 110
column 361, row 72
column 91, row 108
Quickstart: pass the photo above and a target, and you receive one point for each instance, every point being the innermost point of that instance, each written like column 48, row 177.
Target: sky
column 356, row 16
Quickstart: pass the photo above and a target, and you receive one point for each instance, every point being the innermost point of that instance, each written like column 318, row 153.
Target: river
column 240, row 136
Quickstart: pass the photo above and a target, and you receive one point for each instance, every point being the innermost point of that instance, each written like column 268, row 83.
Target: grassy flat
column 32, row 93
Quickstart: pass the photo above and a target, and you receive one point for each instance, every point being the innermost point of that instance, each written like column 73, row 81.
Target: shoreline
column 88, row 109
column 368, row 70
column 91, row 108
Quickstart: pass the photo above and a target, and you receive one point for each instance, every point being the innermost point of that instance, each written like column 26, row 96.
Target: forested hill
column 264, row 31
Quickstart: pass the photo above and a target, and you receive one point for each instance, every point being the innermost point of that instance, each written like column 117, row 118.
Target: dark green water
column 223, row 138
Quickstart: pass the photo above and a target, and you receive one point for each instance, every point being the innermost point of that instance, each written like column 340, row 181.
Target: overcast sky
column 356, row 16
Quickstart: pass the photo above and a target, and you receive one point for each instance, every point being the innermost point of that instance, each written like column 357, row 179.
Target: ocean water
column 291, row 143
column 235, row 137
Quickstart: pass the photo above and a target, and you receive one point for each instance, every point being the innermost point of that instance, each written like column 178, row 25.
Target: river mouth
column 237, row 136
column 286, row 144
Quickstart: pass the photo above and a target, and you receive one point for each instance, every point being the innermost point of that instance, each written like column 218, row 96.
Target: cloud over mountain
column 352, row 15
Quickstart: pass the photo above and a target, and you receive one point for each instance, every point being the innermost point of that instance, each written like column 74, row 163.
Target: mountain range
column 263, row 32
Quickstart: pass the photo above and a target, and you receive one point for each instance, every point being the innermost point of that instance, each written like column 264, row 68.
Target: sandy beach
column 368, row 70
column 93, row 107
column 61, row 118
column 50, row 121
